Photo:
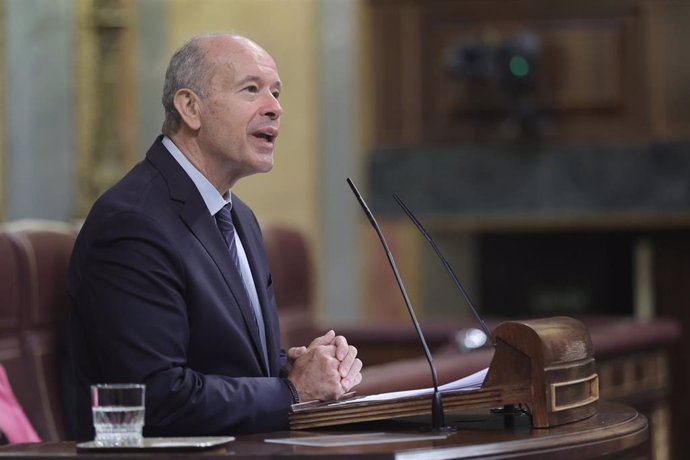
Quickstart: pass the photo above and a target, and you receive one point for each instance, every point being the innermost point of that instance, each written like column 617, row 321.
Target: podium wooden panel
column 614, row 431
column 544, row 364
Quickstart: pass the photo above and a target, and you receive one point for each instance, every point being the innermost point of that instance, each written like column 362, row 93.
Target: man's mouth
column 268, row 135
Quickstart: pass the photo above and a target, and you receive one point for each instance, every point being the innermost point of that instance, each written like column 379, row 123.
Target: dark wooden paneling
column 608, row 70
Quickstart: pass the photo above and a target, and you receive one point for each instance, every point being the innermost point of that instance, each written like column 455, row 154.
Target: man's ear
column 187, row 104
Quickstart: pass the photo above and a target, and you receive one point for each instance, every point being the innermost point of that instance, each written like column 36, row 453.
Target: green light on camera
column 519, row 66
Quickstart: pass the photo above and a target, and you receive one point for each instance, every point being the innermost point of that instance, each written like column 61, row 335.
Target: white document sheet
column 471, row 382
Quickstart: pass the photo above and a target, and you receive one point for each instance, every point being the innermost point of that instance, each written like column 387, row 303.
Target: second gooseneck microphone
column 437, row 416
column 447, row 265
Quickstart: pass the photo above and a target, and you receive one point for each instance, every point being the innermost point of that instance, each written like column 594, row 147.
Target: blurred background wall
column 544, row 143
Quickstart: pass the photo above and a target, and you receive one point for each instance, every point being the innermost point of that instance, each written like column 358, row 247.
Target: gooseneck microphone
column 449, row 269
column 437, row 416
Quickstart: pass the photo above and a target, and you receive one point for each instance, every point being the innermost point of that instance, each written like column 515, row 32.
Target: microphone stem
column 445, row 262
column 408, row 303
column 437, row 415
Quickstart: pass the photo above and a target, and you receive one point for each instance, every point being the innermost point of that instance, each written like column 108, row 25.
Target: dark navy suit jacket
column 157, row 300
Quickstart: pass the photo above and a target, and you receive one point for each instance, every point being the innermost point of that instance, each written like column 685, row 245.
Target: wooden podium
column 544, row 364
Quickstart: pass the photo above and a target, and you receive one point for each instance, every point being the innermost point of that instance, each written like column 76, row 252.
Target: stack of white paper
column 471, row 382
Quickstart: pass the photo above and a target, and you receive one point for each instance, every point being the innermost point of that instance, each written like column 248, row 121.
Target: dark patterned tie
column 227, row 229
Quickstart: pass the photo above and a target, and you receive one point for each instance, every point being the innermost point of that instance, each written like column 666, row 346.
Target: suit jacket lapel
column 251, row 241
column 209, row 236
column 195, row 215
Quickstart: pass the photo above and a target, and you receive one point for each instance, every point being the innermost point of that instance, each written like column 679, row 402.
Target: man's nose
column 272, row 109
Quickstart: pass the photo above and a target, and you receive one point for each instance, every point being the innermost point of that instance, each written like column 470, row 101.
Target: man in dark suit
column 167, row 292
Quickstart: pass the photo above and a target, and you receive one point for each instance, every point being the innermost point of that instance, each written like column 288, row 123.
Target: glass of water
column 118, row 414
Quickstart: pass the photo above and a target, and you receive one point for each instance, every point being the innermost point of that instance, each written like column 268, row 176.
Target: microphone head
column 470, row 339
column 364, row 206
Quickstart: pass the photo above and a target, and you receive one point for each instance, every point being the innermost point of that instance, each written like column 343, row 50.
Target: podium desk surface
column 615, row 430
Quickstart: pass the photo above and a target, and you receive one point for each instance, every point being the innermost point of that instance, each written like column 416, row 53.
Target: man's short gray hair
column 187, row 69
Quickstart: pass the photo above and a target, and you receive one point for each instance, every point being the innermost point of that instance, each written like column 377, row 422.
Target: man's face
column 241, row 116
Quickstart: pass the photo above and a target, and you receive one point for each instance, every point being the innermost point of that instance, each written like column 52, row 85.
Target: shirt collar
column 213, row 199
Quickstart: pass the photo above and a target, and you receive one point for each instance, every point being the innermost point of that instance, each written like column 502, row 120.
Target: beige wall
column 289, row 31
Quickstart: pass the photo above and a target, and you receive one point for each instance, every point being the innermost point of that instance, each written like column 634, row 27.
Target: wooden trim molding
column 105, row 78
